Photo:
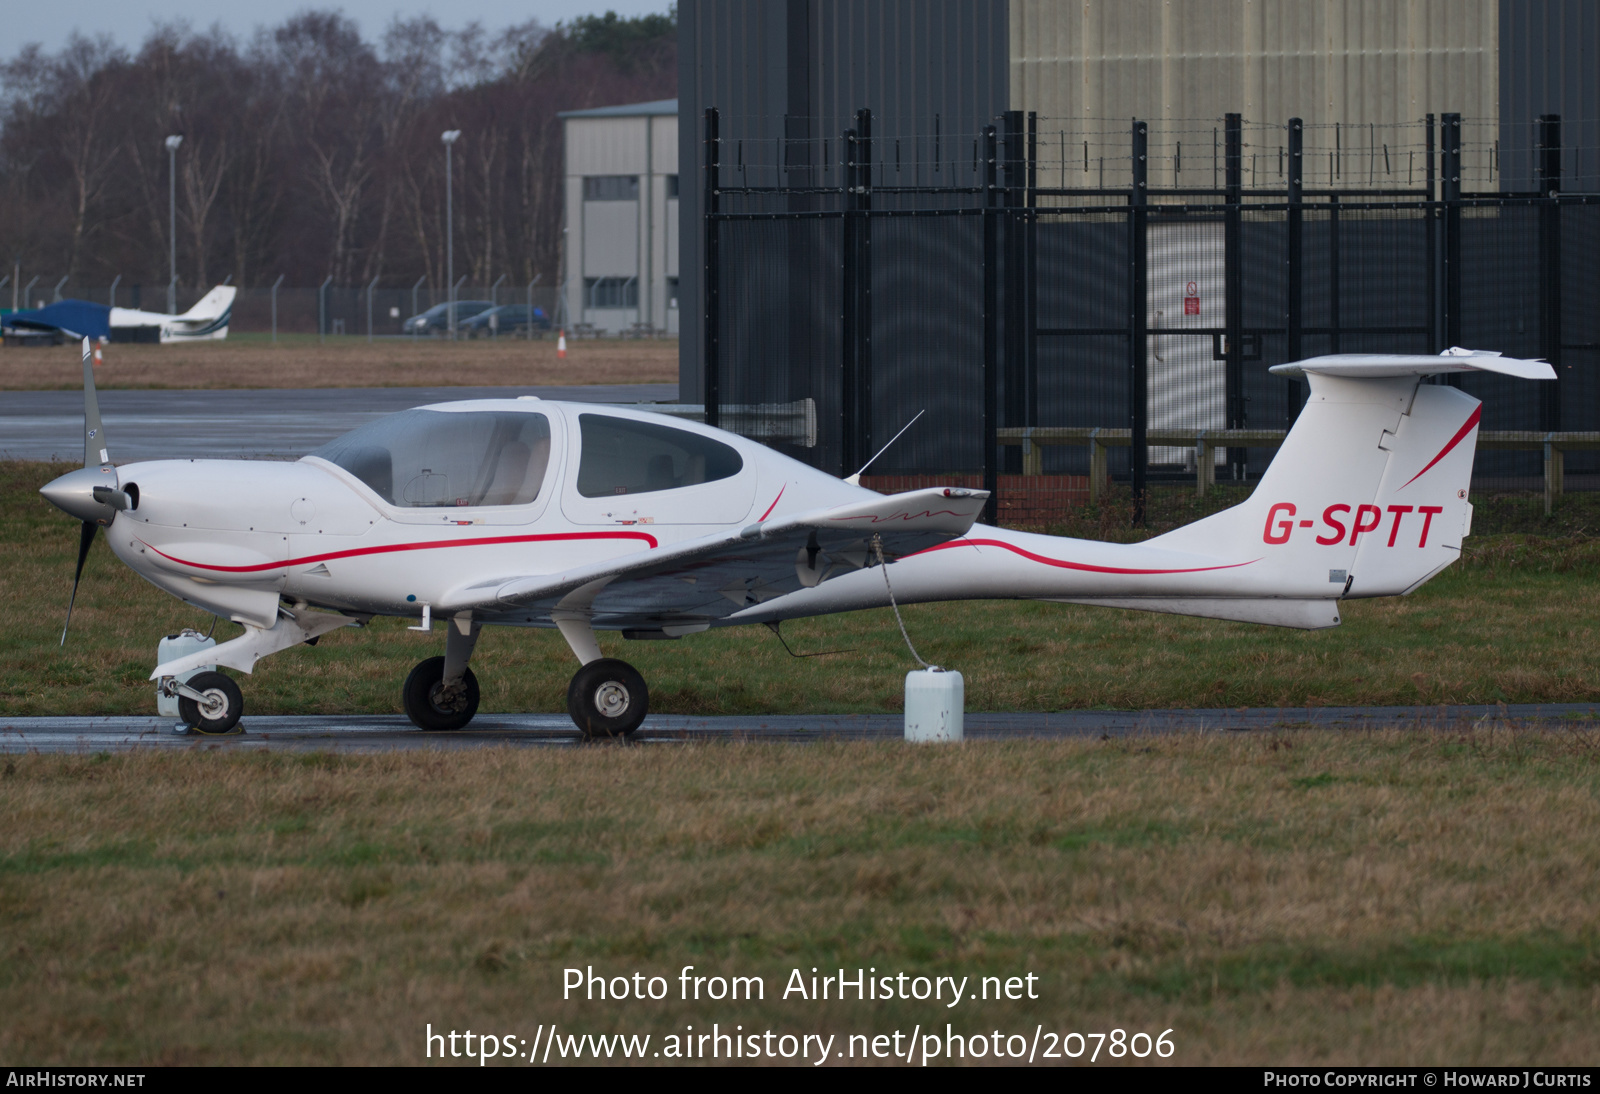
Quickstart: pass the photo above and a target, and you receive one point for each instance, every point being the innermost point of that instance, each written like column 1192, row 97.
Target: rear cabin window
column 429, row 458
column 622, row 456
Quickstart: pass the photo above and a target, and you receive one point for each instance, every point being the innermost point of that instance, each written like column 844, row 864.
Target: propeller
column 85, row 540
column 94, row 494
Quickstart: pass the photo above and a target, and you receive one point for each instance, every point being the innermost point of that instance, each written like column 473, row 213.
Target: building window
column 611, row 188
column 611, row 292
column 672, row 186
column 672, row 287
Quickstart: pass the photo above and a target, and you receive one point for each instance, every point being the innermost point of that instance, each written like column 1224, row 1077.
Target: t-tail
column 1368, row 495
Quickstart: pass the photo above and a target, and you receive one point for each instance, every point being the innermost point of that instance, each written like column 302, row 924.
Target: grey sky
column 128, row 21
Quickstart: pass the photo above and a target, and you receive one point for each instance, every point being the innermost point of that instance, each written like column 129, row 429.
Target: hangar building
column 620, row 262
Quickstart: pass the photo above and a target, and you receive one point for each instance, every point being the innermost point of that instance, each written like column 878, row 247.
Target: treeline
column 308, row 152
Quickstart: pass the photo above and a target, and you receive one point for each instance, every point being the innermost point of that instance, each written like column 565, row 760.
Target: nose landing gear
column 218, row 706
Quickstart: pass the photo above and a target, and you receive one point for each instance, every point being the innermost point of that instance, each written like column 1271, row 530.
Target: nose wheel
column 608, row 698
column 219, row 706
column 431, row 705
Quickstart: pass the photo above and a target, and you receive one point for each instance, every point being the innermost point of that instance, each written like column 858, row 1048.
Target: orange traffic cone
column 97, row 361
column 561, row 343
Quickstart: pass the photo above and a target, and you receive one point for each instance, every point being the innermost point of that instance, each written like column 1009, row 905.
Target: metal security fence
column 1062, row 312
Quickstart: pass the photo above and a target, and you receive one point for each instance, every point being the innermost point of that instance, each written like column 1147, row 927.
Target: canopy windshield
column 426, row 458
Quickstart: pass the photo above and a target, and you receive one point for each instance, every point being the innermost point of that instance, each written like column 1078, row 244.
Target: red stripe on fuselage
column 482, row 541
column 774, row 504
column 1086, row 567
column 1445, row 451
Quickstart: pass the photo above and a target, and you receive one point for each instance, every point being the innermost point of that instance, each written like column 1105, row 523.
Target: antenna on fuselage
column 855, row 480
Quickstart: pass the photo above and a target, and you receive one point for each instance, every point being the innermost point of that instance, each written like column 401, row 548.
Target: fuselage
column 233, row 537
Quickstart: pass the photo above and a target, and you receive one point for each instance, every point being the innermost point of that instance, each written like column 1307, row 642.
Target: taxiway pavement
column 392, row 732
column 255, row 423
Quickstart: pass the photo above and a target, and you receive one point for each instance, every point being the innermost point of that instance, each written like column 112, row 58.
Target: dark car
column 506, row 319
column 437, row 318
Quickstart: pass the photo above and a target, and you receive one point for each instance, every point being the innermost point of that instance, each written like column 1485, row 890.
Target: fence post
column 849, row 321
column 1138, row 339
column 370, row 289
column 1030, row 272
column 322, row 309
column 1435, row 260
column 275, row 285
column 713, row 377
column 991, row 333
column 1014, row 294
column 1295, row 319
column 1450, row 192
column 1549, row 174
column 862, row 154
column 1233, row 277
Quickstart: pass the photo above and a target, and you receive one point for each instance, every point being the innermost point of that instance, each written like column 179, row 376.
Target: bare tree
column 310, row 152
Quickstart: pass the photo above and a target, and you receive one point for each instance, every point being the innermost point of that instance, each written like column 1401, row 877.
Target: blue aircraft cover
column 79, row 318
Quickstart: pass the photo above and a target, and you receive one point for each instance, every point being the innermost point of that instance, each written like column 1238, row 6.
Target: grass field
column 1292, row 899
column 301, row 361
column 1394, row 897
column 1518, row 620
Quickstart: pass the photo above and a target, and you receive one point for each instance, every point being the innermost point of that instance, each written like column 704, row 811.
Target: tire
column 221, row 711
column 607, row 698
column 428, row 708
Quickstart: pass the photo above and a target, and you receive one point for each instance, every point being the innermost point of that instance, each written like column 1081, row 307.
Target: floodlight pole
column 449, row 137
column 172, row 222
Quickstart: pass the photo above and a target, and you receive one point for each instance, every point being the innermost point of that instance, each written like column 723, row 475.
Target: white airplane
column 583, row 518
column 206, row 321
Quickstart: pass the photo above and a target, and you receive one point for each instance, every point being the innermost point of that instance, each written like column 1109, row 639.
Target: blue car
column 506, row 319
column 437, row 318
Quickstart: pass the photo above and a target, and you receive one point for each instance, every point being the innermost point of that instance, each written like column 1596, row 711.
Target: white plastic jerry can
column 174, row 646
column 935, row 702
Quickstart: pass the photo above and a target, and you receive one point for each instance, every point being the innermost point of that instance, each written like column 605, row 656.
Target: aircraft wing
column 686, row 586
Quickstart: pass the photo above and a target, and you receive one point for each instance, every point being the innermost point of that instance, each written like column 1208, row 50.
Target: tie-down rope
column 877, row 547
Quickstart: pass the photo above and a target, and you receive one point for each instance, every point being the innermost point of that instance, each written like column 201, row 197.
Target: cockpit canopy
column 435, row 458
column 428, row 458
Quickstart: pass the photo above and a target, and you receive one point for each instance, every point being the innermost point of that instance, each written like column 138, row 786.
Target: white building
column 620, row 265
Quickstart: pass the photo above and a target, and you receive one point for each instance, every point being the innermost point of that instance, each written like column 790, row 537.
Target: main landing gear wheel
column 219, row 711
column 430, row 705
column 607, row 698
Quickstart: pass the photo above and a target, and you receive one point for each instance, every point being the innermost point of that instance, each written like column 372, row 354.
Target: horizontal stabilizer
column 1379, row 366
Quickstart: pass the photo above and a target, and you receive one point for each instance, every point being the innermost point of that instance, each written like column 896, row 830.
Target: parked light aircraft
column 206, row 321
column 583, row 518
